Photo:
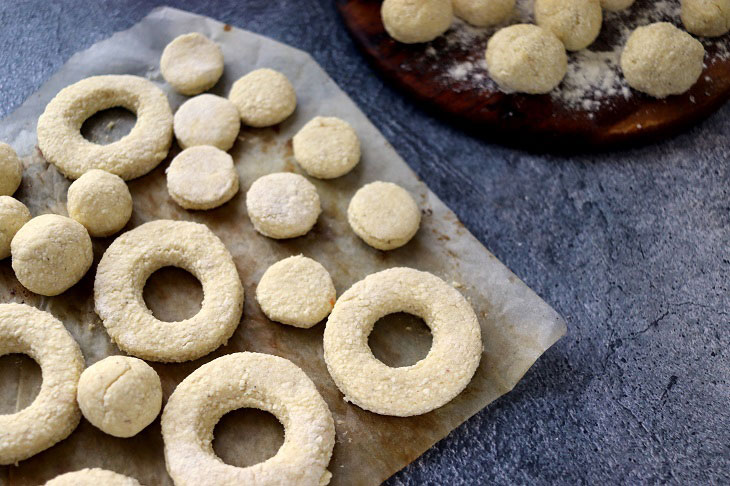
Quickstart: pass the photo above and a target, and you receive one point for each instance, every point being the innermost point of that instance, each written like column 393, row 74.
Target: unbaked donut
column 248, row 380
column 11, row 170
column 415, row 21
column 54, row 414
column 92, row 477
column 202, row 177
column 410, row 390
column 191, row 63
column 100, row 201
column 207, row 120
column 59, row 127
column 13, row 215
column 133, row 257
column 326, row 147
column 264, row 97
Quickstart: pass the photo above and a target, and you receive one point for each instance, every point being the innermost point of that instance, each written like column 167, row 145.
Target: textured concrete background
column 632, row 247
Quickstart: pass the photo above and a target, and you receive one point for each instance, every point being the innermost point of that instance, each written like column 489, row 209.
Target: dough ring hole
column 13, row 396
column 108, row 126
column 173, row 294
column 400, row 339
column 261, row 430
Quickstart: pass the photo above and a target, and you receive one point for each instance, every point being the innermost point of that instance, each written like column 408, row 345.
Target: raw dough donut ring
column 61, row 142
column 250, row 380
column 54, row 414
column 133, row 257
column 92, row 477
column 410, row 390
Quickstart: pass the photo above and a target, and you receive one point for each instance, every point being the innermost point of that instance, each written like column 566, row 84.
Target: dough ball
column 384, row 215
column 661, row 60
column 11, row 170
column 483, row 13
column 283, row 205
column 120, row 395
column 13, row 215
column 414, row 21
column 100, row 201
column 297, row 291
column 207, row 120
column 264, row 97
column 707, row 18
column 615, row 5
column 191, row 63
column 92, row 477
column 576, row 22
column 327, row 147
column 527, row 59
column 202, row 177
column 50, row 254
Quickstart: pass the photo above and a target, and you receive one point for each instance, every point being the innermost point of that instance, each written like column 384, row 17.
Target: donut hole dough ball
column 202, row 177
column 283, row 205
column 384, row 215
column 527, row 59
column 120, row 395
column 615, row 5
column 207, row 120
column 483, row 13
column 326, row 147
column 50, row 254
column 661, row 60
column 297, row 291
column 264, row 97
column 191, row 63
column 92, row 477
column 11, row 170
column 13, row 215
column 414, row 21
column 576, row 22
column 707, row 18
column 100, row 201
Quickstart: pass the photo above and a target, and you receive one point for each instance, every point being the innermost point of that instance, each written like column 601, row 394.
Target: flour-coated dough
column 92, row 477
column 326, row 147
column 191, row 63
column 411, row 390
column 576, row 22
column 202, row 177
column 13, row 215
column 54, row 414
column 207, row 120
column 615, row 5
column 120, row 395
column 11, row 170
column 50, row 254
column 415, row 21
column 264, row 97
column 137, row 254
column 100, row 201
column 483, row 13
column 707, row 18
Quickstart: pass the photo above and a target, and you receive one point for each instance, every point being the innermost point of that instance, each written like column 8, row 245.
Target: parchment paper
column 517, row 325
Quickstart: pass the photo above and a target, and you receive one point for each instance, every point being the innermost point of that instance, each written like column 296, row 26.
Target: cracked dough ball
column 207, row 120
column 50, row 254
column 11, row 170
column 100, row 201
column 297, row 291
column 483, row 13
column 326, row 147
column 13, row 215
column 264, row 97
column 526, row 58
column 615, row 5
column 202, row 177
column 707, row 18
column 191, row 63
column 414, row 21
column 576, row 22
column 661, row 60
column 120, row 395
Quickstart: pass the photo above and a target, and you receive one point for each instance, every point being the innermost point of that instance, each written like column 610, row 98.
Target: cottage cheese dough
column 661, row 60
column 297, row 291
column 414, row 21
column 264, row 97
column 283, row 205
column 384, row 215
column 59, row 127
column 207, row 120
column 54, row 414
column 248, row 380
column 137, row 254
column 13, row 215
column 707, row 18
column 483, row 13
column 526, row 58
column 576, row 22
column 615, row 5
column 92, row 477
column 202, row 177
column 191, row 63
column 100, row 201
column 120, row 395
column 11, row 170
column 50, row 254
column 326, row 147
column 410, row 390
